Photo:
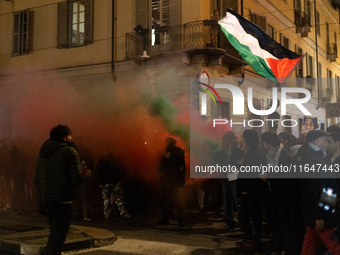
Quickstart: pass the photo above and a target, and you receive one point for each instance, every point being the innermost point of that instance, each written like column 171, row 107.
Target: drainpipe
column 241, row 7
column 113, row 72
column 316, row 56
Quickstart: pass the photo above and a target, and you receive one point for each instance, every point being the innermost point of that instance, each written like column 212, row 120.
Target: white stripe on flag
column 233, row 26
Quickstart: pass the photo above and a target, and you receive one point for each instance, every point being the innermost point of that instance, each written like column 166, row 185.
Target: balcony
column 332, row 52
column 192, row 38
column 302, row 22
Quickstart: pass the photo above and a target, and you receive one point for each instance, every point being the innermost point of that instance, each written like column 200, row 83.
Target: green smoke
column 163, row 108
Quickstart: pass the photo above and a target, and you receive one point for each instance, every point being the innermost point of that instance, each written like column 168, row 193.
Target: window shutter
column 174, row 13
column 16, row 34
column 175, row 21
column 261, row 21
column 89, row 22
column 62, row 25
column 229, row 4
column 308, row 66
column 30, row 31
column 251, row 16
column 142, row 13
column 25, row 31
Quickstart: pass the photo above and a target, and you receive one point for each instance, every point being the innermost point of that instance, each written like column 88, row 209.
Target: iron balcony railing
column 192, row 35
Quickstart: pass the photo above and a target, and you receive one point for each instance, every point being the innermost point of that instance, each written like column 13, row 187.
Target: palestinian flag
column 267, row 57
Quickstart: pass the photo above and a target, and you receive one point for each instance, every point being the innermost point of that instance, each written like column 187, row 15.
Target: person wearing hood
column 320, row 224
column 57, row 173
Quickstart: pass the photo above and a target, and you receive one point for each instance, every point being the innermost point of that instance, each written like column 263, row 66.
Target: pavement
column 202, row 235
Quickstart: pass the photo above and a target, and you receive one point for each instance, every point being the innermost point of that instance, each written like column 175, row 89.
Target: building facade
column 159, row 43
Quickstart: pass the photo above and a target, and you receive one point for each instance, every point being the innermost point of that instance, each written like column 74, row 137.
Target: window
column 310, row 65
column 284, row 41
column 231, row 4
column 299, row 69
column 161, row 12
column 318, row 23
column 21, row 32
column 329, row 82
column 271, row 31
column 308, row 9
column 160, row 20
column 166, row 12
column 77, row 19
column 319, row 70
column 337, row 86
column 259, row 20
column 297, row 5
column 159, row 16
column 75, row 23
column 335, row 39
column 222, row 111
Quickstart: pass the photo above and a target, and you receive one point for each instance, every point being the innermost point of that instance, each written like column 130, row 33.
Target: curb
column 34, row 242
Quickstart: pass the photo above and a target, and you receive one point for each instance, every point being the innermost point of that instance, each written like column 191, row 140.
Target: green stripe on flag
column 256, row 62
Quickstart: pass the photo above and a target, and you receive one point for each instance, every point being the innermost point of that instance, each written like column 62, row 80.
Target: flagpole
column 316, row 57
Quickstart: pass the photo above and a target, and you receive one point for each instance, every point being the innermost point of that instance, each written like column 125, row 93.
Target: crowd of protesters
column 295, row 221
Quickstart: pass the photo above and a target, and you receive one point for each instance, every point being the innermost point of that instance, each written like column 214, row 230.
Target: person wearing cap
column 319, row 223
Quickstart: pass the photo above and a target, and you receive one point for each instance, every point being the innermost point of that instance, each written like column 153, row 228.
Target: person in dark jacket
column 231, row 154
column 111, row 171
column 172, row 180
column 285, row 215
column 249, row 187
column 57, row 172
column 320, row 224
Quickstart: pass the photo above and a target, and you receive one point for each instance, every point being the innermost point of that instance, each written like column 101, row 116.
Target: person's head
column 318, row 138
column 170, row 141
column 229, row 140
column 283, row 136
column 292, row 140
column 61, row 133
column 333, row 128
column 334, row 142
column 270, row 140
column 251, row 137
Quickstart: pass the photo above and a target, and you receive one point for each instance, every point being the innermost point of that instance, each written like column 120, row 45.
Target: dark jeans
column 230, row 200
column 250, row 216
column 59, row 217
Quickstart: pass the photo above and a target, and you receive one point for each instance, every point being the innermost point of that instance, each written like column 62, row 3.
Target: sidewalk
column 137, row 235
